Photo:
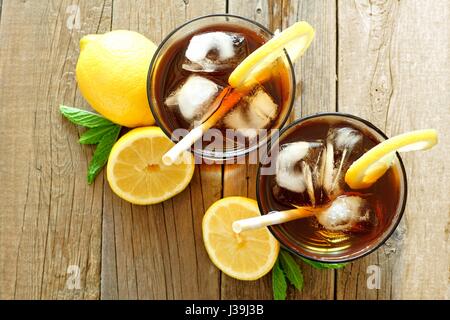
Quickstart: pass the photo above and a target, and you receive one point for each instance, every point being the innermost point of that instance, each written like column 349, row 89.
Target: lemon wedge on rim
column 374, row 163
column 295, row 39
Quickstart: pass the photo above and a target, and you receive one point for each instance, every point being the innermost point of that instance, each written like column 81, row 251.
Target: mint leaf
column 84, row 118
column 321, row 265
column 292, row 270
column 279, row 285
column 94, row 135
column 101, row 153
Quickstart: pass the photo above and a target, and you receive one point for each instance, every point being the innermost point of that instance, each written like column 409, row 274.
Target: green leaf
column 84, row 118
column 101, row 153
column 94, row 135
column 279, row 285
column 292, row 270
column 321, row 265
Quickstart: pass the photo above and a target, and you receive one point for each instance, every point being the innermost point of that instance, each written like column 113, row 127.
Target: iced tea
column 314, row 155
column 192, row 67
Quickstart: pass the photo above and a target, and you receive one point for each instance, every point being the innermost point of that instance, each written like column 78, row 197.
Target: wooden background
column 385, row 60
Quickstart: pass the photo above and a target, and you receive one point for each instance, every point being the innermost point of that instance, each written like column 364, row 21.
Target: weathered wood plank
column 316, row 91
column 316, row 70
column 50, row 218
column 157, row 251
column 394, row 67
column 391, row 71
column 240, row 179
column 365, row 87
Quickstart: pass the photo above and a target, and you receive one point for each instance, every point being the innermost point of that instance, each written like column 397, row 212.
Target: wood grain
column 316, row 70
column 393, row 68
column 157, row 251
column 240, row 179
column 392, row 59
column 312, row 96
column 316, row 92
column 49, row 218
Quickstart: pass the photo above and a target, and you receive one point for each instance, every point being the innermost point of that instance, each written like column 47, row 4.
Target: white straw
column 276, row 217
column 171, row 156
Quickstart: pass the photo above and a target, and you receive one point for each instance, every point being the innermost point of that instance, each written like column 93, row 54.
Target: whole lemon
column 112, row 75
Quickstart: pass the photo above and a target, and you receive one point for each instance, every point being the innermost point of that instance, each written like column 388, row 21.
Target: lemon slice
column 245, row 256
column 294, row 49
column 374, row 163
column 295, row 39
column 136, row 172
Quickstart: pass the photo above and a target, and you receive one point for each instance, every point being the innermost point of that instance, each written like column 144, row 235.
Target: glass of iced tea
column 190, row 68
column 311, row 158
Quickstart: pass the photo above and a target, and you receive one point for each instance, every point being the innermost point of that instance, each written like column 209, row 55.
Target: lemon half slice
column 245, row 256
column 374, row 163
column 295, row 39
column 136, row 172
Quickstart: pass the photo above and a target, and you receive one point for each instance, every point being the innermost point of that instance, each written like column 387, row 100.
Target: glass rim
column 202, row 153
column 384, row 236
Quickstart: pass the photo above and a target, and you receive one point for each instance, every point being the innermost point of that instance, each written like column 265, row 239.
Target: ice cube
column 215, row 51
column 344, row 213
column 341, row 142
column 194, row 97
column 298, row 168
column 254, row 111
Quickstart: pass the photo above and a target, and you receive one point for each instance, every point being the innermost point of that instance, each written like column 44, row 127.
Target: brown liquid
column 170, row 75
column 383, row 197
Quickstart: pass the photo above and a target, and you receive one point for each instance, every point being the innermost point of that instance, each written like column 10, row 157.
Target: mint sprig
column 101, row 131
column 95, row 135
column 279, row 285
column 321, row 265
column 292, row 270
column 101, row 153
column 286, row 268
column 84, row 118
